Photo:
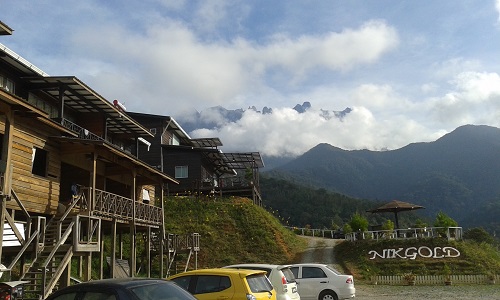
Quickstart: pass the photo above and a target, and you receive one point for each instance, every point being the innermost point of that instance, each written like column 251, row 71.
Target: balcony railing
column 82, row 132
column 112, row 205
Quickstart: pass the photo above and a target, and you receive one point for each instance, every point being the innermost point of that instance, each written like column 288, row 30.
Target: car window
column 183, row 281
column 211, row 284
column 289, row 276
column 295, row 271
column 98, row 296
column 312, row 272
column 67, row 296
column 161, row 291
column 259, row 283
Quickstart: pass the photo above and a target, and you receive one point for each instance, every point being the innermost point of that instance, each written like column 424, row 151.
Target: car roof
column 221, row 271
column 125, row 282
column 308, row 264
column 269, row 266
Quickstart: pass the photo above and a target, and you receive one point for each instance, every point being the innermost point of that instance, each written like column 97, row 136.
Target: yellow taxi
column 228, row 284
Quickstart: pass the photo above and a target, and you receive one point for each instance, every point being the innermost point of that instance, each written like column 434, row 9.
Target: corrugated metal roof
column 81, row 98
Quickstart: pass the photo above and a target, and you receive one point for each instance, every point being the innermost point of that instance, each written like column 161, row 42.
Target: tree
column 479, row 235
column 388, row 225
column 359, row 222
column 443, row 220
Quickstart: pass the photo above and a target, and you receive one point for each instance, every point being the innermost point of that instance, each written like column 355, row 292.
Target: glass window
column 288, row 275
column 211, row 284
column 68, row 296
column 181, row 172
column 259, row 283
column 161, row 291
column 98, row 296
column 295, row 271
column 39, row 161
column 183, row 281
column 313, row 272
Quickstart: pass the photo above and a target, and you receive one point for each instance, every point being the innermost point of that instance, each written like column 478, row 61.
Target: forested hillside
column 301, row 206
column 457, row 174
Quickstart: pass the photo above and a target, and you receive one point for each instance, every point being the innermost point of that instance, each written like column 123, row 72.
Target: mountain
column 216, row 117
column 458, row 174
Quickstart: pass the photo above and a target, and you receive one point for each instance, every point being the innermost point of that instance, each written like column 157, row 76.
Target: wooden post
column 162, row 230
column 101, row 260
column 113, row 249
column 93, row 175
column 148, row 252
column 132, row 228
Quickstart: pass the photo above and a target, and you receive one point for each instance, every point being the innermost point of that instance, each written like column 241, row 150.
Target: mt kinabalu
column 215, row 117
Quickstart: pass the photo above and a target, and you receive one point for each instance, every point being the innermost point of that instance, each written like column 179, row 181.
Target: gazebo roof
column 395, row 206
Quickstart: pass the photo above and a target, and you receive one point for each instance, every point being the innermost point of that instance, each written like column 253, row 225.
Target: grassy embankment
column 474, row 258
column 232, row 230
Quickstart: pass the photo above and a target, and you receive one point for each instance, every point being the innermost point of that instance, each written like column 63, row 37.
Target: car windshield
column 259, row 283
column 161, row 291
column 288, row 274
column 333, row 270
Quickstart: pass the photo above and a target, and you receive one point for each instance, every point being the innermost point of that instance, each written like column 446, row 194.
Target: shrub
column 359, row 222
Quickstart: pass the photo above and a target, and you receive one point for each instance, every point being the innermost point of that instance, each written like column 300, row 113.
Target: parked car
column 122, row 289
column 228, row 284
column 322, row 282
column 281, row 278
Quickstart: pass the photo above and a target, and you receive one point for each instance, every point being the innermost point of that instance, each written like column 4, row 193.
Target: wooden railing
column 111, row 205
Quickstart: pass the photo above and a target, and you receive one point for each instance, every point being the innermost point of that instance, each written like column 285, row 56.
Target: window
column 311, row 272
column 7, row 84
column 181, row 172
column 211, row 284
column 39, row 161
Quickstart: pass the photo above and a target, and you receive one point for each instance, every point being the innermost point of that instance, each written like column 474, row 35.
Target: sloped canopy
column 395, row 206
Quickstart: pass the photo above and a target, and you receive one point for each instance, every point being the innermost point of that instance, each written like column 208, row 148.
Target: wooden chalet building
column 199, row 166
column 57, row 134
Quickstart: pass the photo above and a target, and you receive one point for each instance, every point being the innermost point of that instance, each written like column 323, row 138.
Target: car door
column 210, row 287
column 312, row 280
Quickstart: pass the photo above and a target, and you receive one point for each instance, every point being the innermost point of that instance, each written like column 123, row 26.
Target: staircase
column 51, row 261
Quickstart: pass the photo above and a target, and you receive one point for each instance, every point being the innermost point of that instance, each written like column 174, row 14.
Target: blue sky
column 410, row 70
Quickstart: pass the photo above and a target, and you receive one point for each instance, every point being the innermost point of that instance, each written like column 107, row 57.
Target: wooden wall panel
column 38, row 194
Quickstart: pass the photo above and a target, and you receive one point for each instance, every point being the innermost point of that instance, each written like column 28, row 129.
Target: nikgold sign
column 413, row 253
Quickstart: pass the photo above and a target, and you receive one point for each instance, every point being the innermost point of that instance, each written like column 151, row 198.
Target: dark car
column 123, row 289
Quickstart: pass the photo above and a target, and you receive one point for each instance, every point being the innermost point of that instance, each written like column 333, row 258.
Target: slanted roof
column 243, row 160
column 4, row 29
column 81, row 98
column 20, row 63
column 206, row 142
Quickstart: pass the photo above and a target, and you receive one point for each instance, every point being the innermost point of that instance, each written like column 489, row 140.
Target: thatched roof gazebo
column 395, row 206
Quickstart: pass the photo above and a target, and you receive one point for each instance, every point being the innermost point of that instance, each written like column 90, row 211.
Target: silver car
column 322, row 282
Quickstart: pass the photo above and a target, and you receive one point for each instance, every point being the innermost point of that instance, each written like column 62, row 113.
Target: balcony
column 109, row 205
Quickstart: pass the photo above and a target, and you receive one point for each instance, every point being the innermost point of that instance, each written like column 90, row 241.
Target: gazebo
column 395, row 206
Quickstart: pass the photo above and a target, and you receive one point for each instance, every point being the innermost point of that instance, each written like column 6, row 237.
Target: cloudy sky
column 410, row 70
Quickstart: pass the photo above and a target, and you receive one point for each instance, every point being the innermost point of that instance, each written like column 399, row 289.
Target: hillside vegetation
column 232, row 230
column 457, row 174
column 474, row 258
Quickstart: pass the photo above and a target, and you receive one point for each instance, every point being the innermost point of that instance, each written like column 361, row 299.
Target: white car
column 281, row 278
column 322, row 282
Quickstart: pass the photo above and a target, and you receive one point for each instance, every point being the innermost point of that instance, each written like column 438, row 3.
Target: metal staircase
column 50, row 262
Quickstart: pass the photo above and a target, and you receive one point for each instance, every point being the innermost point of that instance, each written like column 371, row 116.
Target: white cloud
column 171, row 64
column 497, row 6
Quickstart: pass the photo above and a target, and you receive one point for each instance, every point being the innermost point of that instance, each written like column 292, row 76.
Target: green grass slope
column 232, row 230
